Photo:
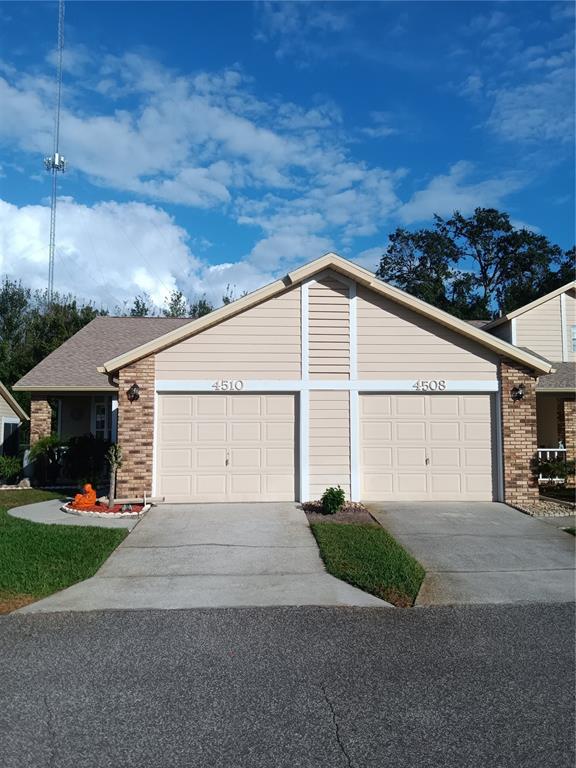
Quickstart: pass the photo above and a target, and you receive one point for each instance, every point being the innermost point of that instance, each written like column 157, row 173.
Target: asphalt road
column 484, row 686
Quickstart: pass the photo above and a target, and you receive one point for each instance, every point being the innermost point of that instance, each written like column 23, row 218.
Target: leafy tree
column 142, row 306
column 476, row 266
column 176, row 306
column 200, row 307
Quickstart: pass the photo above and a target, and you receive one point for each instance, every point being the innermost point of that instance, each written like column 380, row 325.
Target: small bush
column 332, row 500
column 559, row 468
column 10, row 467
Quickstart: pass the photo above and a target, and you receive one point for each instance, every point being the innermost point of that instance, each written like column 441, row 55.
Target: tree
column 176, row 306
column 230, row 294
column 200, row 307
column 142, row 306
column 477, row 266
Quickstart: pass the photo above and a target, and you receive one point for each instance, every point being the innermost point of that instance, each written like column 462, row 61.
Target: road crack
column 336, row 727
column 52, row 733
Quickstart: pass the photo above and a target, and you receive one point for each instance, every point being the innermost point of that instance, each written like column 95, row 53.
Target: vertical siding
column 540, row 329
column 329, row 329
column 329, row 442
column 261, row 343
column 397, row 343
column 570, row 302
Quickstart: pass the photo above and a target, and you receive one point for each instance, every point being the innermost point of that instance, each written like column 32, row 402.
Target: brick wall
column 519, row 441
column 136, row 429
column 40, row 418
column 570, row 432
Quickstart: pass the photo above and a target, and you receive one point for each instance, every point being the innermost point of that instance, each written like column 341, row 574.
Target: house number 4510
column 228, row 385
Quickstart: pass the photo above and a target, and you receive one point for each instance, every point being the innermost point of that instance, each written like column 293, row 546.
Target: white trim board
column 303, row 385
column 563, row 328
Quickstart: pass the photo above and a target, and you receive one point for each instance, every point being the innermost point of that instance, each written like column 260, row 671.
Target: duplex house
column 326, row 376
column 547, row 327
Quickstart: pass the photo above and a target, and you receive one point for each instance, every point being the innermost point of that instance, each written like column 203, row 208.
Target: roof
column 563, row 378
column 74, row 364
column 478, row 323
column 531, row 305
column 350, row 270
column 20, row 412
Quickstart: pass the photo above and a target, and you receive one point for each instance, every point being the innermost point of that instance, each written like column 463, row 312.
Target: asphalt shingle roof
column 564, row 377
column 74, row 363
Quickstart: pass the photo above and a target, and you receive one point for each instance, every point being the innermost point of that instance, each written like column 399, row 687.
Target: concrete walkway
column 49, row 513
column 212, row 556
column 482, row 552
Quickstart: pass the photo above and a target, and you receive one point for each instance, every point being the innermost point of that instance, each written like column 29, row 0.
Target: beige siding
column 570, row 302
column 261, row 343
column 540, row 329
column 6, row 410
column 329, row 442
column 503, row 331
column 396, row 343
column 329, row 329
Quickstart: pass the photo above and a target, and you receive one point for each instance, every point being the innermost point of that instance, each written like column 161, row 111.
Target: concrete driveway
column 482, row 552
column 212, row 556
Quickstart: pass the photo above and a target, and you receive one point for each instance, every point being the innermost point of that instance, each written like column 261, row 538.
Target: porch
column 556, row 435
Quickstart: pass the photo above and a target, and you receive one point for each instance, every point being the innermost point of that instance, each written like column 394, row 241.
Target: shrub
column 10, row 467
column 332, row 500
column 554, row 468
column 46, row 454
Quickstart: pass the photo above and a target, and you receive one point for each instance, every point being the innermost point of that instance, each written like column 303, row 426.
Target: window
column 574, row 338
column 10, row 428
column 101, row 418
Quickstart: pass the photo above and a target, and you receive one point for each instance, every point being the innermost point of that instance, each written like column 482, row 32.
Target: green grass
column 367, row 557
column 36, row 560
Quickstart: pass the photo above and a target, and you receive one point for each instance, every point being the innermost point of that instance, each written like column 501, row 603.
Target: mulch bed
column 351, row 512
column 116, row 509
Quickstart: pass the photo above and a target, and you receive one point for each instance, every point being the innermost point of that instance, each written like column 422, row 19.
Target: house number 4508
column 228, row 385
column 430, row 385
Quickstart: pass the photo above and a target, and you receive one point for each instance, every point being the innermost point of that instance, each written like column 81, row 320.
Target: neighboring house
column 547, row 327
column 11, row 417
column 327, row 376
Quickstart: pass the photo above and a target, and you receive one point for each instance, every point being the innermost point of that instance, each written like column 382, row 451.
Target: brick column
column 519, row 440
column 570, row 433
column 40, row 418
column 136, row 429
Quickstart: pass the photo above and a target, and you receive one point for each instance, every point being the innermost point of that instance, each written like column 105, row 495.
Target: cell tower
column 56, row 163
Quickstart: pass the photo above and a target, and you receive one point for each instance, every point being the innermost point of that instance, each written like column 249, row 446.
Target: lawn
column 366, row 556
column 36, row 560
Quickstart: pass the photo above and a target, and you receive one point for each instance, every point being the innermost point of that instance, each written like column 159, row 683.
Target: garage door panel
column 399, row 433
column 445, row 431
column 410, row 431
column 210, row 432
column 226, row 447
column 245, row 431
column 175, row 433
column 411, row 482
column 176, row 458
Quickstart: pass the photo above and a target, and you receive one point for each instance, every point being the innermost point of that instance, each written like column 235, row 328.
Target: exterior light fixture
column 517, row 393
column 133, row 393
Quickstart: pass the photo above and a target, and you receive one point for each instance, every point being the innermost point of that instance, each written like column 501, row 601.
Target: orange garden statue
column 85, row 500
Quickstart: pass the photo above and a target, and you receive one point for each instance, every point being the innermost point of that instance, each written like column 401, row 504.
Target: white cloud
column 445, row 194
column 381, row 126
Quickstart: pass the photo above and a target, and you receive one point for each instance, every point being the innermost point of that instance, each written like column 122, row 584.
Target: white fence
column 551, row 454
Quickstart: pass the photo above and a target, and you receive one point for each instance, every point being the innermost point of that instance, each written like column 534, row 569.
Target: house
column 547, row 327
column 326, row 376
column 12, row 416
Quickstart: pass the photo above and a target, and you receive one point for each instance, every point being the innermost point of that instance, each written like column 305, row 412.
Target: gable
column 346, row 272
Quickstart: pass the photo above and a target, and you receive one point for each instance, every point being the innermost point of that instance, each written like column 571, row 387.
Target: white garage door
column 417, row 447
column 216, row 447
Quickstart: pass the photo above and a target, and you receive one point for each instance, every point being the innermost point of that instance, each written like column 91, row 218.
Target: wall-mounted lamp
column 133, row 393
column 517, row 393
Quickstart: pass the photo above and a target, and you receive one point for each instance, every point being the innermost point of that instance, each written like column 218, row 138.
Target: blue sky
column 224, row 143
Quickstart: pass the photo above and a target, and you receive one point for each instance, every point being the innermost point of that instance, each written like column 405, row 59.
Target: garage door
column 216, row 447
column 435, row 447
